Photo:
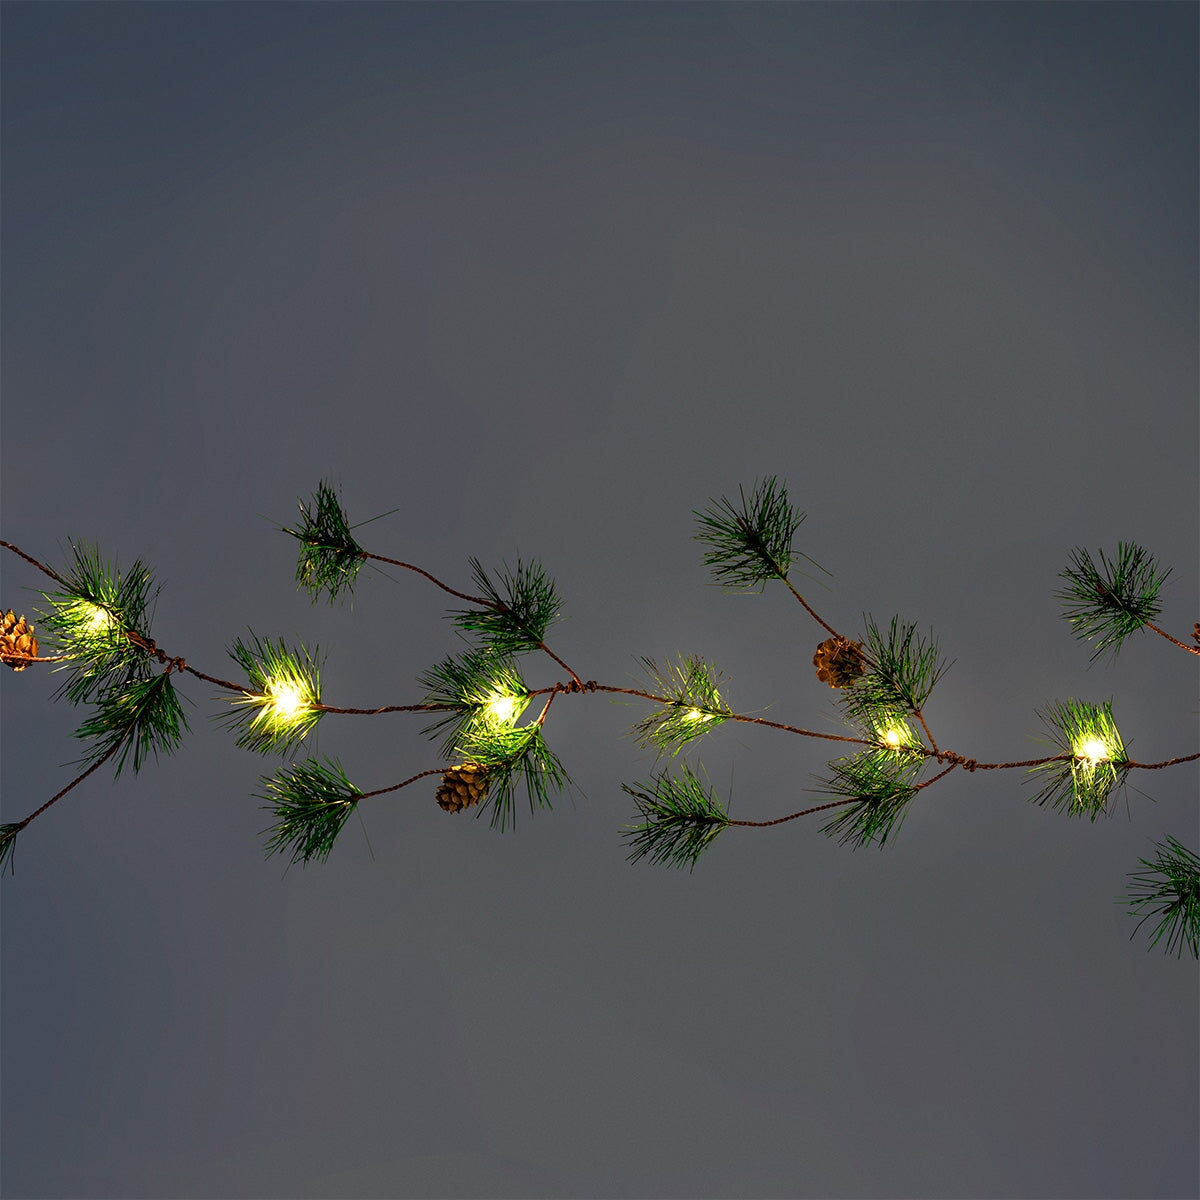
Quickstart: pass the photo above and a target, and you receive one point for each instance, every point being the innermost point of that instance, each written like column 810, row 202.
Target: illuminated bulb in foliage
column 694, row 714
column 893, row 738
column 502, row 710
column 1092, row 749
column 287, row 701
column 97, row 619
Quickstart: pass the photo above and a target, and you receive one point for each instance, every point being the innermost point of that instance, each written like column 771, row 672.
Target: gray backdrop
column 546, row 279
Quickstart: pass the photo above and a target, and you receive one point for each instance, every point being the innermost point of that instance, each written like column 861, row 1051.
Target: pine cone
column 462, row 786
column 16, row 641
column 839, row 662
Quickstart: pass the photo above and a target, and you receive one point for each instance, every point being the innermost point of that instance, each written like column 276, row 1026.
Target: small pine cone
column 17, row 642
column 839, row 662
column 462, row 786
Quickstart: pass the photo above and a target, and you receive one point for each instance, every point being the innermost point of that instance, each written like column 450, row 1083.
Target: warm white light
column 503, row 710
column 1092, row 749
column 694, row 714
column 287, row 700
column 98, row 618
column 893, row 738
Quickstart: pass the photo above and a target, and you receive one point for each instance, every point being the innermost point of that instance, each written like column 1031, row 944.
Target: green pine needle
column 143, row 716
column 883, row 782
column 1107, row 603
column 282, row 704
column 525, row 604
column 695, row 707
column 481, row 687
column 514, row 758
column 330, row 557
column 89, row 620
column 1082, row 783
column 310, row 803
column 1169, row 889
column 679, row 819
column 8, row 844
column 751, row 541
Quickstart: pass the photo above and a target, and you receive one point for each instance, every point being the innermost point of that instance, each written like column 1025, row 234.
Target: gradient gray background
column 547, row 279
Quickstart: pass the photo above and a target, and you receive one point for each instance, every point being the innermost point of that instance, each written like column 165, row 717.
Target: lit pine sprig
column 481, row 688
column 1169, row 889
column 680, row 820
column 903, row 670
column 695, row 706
column 89, row 619
column 751, row 541
column 1108, row 602
column 310, row 802
column 330, row 557
column 143, row 716
column 523, row 604
column 514, row 758
column 1098, row 763
column 282, row 701
column 883, row 784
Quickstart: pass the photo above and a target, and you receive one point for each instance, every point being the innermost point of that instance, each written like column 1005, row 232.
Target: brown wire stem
column 395, row 562
column 396, row 786
column 1181, row 645
column 802, row 813
column 371, row 712
column 78, row 779
column 40, row 566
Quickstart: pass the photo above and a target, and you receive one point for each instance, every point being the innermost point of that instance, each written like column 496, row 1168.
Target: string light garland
column 98, row 625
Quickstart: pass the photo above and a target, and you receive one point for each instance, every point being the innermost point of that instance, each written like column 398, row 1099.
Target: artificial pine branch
column 751, row 541
column 283, row 701
column 691, row 704
column 330, row 558
column 1108, row 602
column 680, row 819
column 479, row 687
column 1093, row 761
column 517, row 609
column 310, row 802
column 1169, row 889
column 90, row 620
column 881, row 784
column 143, row 717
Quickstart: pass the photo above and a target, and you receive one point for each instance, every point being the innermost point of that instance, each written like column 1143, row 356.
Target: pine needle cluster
column 310, row 803
column 691, row 690
column 1095, row 761
column 751, row 541
column 281, row 704
column 521, row 606
column 882, row 783
column 1108, row 601
column 330, row 557
column 100, row 619
column 680, row 819
column 1169, row 889
column 480, row 687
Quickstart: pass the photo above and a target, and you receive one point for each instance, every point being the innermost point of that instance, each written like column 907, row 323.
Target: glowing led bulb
column 287, row 700
column 894, row 738
column 503, row 710
column 694, row 714
column 98, row 618
column 1092, row 749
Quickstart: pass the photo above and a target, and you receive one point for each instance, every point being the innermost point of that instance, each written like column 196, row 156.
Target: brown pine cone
column 17, row 642
column 462, row 787
column 839, row 662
